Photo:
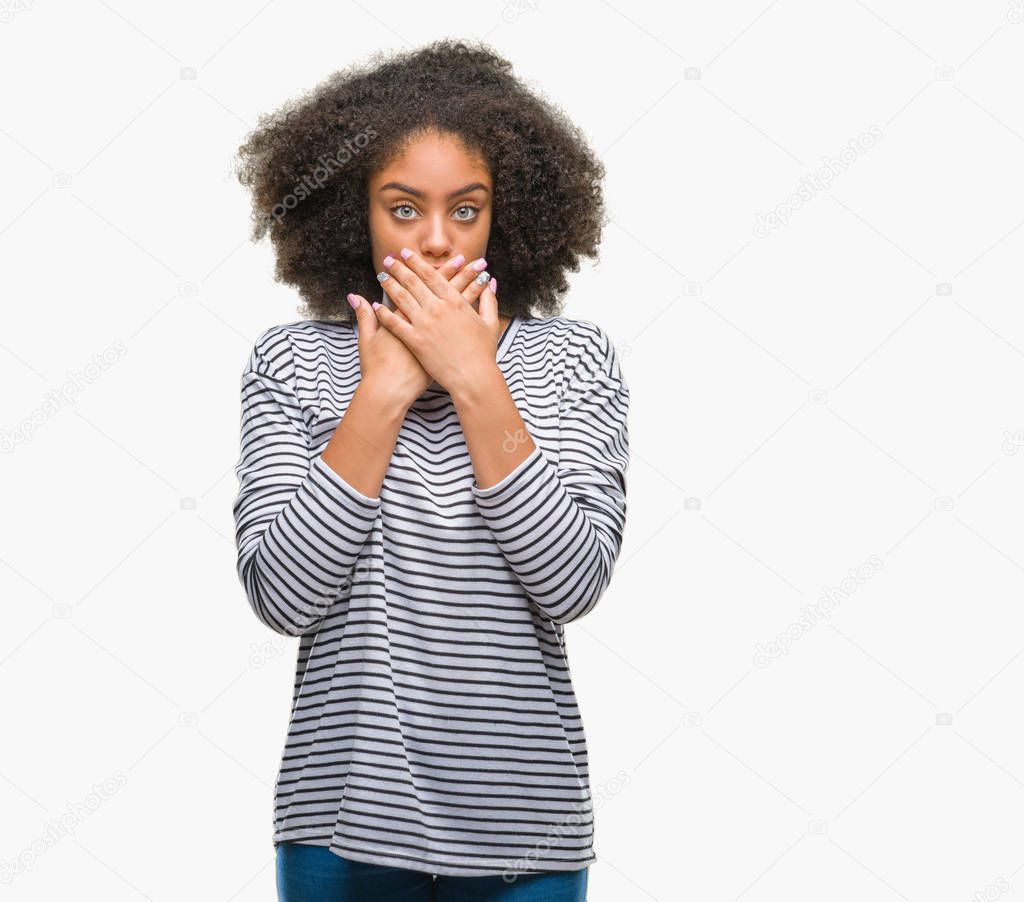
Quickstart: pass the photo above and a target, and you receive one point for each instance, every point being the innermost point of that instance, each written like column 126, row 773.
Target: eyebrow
column 398, row 186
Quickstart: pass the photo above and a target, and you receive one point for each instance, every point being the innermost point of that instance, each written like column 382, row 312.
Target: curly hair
column 308, row 164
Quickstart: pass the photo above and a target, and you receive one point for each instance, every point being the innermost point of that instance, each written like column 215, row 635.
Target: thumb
column 488, row 303
column 365, row 316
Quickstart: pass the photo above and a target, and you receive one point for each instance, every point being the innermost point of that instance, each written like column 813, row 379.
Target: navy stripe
column 434, row 724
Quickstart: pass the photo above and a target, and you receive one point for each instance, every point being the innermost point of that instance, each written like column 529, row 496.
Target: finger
column 468, row 273
column 417, row 276
column 476, row 287
column 431, row 277
column 364, row 316
column 488, row 304
column 451, row 267
column 395, row 308
column 393, row 322
column 404, row 301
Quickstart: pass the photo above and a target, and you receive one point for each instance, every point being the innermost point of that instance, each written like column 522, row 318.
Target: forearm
column 360, row 449
column 560, row 547
column 300, row 525
column 558, row 522
column 495, row 433
column 558, row 555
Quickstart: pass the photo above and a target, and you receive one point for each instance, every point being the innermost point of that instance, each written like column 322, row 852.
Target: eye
column 400, row 207
column 471, row 215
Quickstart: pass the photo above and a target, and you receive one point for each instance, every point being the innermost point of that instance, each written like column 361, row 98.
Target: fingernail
column 388, row 260
column 381, row 276
column 406, row 253
column 480, row 265
column 353, row 300
column 377, row 304
column 494, row 286
column 458, row 261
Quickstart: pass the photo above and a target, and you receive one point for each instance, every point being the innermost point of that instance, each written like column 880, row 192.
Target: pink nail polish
column 406, row 253
column 388, row 260
column 353, row 300
column 480, row 265
column 377, row 304
column 494, row 286
column 458, row 261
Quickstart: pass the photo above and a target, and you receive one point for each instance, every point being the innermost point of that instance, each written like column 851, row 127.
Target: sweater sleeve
column 559, row 526
column 299, row 526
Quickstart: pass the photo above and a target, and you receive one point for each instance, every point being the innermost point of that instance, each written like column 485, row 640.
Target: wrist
column 478, row 386
column 383, row 398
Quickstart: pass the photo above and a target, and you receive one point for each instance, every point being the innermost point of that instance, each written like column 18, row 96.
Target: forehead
column 435, row 164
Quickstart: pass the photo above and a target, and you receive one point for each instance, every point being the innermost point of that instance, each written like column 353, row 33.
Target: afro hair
column 307, row 167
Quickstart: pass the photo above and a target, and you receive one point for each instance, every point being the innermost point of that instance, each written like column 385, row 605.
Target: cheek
column 484, row 227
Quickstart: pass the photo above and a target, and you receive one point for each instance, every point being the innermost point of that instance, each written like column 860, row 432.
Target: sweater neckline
column 505, row 341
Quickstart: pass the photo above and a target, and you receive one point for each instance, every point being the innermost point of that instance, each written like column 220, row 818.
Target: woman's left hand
column 454, row 343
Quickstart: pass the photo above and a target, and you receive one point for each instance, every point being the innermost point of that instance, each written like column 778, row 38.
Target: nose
column 435, row 242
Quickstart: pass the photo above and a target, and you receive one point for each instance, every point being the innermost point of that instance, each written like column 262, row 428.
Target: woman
column 432, row 480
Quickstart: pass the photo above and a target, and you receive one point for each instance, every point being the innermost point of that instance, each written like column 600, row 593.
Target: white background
column 840, row 391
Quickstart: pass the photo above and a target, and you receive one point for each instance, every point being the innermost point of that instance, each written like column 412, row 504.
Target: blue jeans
column 308, row 873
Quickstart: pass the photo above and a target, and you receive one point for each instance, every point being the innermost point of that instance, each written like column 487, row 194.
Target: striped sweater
column 433, row 723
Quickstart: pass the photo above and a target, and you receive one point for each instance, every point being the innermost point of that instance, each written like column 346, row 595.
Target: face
column 434, row 199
